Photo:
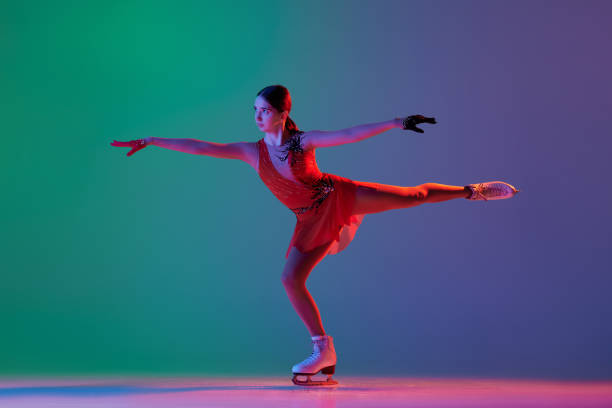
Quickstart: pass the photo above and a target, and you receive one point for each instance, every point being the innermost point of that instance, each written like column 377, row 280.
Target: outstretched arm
column 194, row 146
column 238, row 150
column 319, row 138
column 324, row 138
column 182, row 145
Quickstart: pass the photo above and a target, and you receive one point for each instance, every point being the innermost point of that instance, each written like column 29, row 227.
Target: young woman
column 328, row 208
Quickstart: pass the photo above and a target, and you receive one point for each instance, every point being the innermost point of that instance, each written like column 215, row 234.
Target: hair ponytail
column 291, row 126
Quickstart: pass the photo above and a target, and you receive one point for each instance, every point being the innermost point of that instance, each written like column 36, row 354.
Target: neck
column 276, row 138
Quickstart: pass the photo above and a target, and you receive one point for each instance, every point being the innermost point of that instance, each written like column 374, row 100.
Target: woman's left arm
column 321, row 138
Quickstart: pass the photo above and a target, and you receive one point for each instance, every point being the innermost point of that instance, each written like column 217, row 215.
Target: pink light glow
column 354, row 392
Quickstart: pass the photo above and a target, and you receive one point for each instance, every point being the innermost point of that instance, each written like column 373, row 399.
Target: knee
column 418, row 193
column 291, row 280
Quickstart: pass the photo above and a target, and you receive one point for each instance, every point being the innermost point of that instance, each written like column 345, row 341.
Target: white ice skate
column 492, row 190
column 322, row 359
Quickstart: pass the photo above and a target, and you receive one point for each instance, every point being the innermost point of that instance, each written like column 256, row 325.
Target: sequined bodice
column 292, row 174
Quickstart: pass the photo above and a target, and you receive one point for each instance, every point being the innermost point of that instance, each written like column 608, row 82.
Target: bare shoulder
column 245, row 151
column 250, row 153
column 307, row 139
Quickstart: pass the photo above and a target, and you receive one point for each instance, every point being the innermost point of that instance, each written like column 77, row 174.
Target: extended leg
column 377, row 197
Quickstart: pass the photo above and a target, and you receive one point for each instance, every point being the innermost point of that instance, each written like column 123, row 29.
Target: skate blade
column 310, row 382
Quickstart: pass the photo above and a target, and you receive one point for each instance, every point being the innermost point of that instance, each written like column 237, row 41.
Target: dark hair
column 278, row 96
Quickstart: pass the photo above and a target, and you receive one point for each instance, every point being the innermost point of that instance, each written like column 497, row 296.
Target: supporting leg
column 296, row 271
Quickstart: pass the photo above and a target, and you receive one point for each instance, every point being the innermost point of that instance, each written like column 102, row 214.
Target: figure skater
column 328, row 208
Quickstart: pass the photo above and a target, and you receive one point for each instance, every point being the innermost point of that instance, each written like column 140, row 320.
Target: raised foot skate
column 329, row 371
column 492, row 190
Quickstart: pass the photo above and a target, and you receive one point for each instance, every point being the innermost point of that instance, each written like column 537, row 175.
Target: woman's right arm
column 192, row 146
column 240, row 151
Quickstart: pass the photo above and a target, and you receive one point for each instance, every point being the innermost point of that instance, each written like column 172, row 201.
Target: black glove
column 410, row 122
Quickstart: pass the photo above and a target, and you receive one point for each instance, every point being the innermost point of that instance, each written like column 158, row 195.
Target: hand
column 136, row 145
column 410, row 122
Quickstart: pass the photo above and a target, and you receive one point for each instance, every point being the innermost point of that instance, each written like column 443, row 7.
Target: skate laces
column 319, row 345
column 313, row 356
column 477, row 190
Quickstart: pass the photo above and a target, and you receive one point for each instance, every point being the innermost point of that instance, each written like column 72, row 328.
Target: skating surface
column 269, row 392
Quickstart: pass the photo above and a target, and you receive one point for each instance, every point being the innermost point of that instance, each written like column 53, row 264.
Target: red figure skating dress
column 322, row 202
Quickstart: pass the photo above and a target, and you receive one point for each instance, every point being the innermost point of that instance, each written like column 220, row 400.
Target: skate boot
column 492, row 190
column 322, row 359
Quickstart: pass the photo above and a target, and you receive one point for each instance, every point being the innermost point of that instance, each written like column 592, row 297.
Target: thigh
column 299, row 264
column 377, row 197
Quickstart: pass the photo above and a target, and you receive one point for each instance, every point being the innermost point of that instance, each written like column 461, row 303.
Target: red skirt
column 333, row 220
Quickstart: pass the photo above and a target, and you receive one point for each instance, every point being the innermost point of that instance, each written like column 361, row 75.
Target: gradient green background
column 166, row 262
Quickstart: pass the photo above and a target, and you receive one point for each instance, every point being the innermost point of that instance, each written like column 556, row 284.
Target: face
column 267, row 118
